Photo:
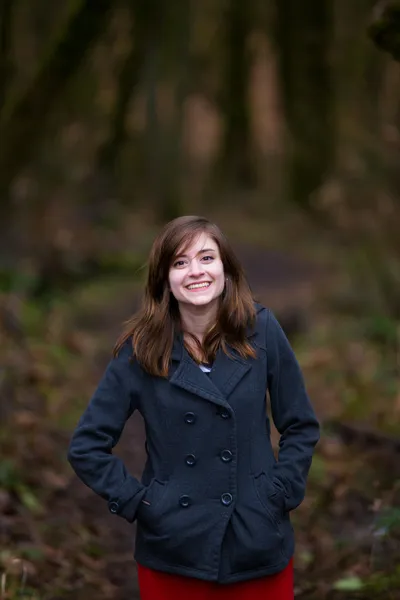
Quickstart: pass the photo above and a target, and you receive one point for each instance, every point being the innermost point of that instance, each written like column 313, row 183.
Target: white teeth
column 197, row 285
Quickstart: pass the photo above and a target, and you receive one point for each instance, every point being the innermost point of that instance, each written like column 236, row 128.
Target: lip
column 200, row 288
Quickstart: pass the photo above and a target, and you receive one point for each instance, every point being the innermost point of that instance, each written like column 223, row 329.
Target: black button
column 226, row 499
column 184, row 501
column 190, row 417
column 224, row 413
column 226, row 455
column 113, row 507
column 190, row 460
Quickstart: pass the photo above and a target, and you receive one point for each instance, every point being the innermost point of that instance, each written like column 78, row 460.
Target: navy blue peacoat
column 216, row 501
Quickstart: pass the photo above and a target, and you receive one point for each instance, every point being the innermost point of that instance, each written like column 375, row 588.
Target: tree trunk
column 23, row 120
column 172, row 200
column 304, row 41
column 103, row 181
column 5, row 48
column 152, row 152
column 236, row 160
column 127, row 82
column 164, row 137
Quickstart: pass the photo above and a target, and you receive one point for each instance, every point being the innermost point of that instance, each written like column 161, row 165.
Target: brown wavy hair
column 154, row 326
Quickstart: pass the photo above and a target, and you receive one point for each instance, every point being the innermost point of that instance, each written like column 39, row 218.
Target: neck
column 198, row 319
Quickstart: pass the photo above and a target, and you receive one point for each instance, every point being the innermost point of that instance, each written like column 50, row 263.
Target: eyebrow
column 199, row 252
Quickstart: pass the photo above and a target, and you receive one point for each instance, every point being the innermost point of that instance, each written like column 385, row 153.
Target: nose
column 196, row 268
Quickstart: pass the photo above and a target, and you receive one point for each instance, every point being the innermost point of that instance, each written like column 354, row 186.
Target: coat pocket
column 271, row 496
column 152, row 500
column 256, row 533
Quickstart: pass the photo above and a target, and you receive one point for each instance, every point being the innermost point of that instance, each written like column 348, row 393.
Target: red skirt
column 155, row 585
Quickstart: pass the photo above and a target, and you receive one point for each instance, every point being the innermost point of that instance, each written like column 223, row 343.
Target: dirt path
column 282, row 282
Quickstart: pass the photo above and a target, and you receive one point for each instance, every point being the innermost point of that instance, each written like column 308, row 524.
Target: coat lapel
column 191, row 378
column 226, row 373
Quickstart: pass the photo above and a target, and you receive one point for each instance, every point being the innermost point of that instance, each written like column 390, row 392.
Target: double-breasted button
column 190, row 418
column 224, row 413
column 113, row 507
column 190, row 460
column 226, row 456
column 185, row 501
column 226, row 499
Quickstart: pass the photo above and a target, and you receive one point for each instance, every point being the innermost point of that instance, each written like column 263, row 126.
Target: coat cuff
column 285, row 488
column 129, row 497
column 293, row 493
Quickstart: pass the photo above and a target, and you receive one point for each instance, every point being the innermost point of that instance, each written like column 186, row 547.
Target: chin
column 202, row 301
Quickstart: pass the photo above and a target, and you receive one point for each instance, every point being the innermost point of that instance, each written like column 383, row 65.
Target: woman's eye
column 179, row 263
column 208, row 258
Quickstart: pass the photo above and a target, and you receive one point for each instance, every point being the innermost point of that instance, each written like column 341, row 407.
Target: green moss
column 384, row 582
column 318, row 472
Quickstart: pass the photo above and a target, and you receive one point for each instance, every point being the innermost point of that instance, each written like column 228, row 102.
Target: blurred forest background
column 280, row 120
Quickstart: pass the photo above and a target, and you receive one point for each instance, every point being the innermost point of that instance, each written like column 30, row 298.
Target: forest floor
column 60, row 541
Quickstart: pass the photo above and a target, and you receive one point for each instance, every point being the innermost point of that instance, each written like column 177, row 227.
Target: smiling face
column 196, row 277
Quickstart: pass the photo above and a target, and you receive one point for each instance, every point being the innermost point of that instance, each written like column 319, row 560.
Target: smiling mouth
column 198, row 286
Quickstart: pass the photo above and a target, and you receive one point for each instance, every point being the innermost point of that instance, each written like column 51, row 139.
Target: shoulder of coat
column 257, row 333
column 259, row 307
column 125, row 353
column 262, row 314
column 127, row 362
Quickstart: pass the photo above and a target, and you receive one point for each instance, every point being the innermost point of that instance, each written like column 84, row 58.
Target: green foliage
column 348, row 584
column 28, row 498
column 389, row 519
column 33, row 319
column 9, row 474
column 18, row 281
column 122, row 263
column 318, row 473
column 380, row 329
column 94, row 550
column 384, row 582
column 373, row 285
column 13, row 480
column 33, row 553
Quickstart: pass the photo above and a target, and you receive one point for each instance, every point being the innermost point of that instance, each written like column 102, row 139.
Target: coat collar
column 225, row 375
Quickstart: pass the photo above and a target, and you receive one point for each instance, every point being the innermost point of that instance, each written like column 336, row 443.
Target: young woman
column 213, row 504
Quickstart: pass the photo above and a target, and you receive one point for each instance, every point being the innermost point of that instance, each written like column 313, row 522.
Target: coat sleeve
column 292, row 413
column 98, row 431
